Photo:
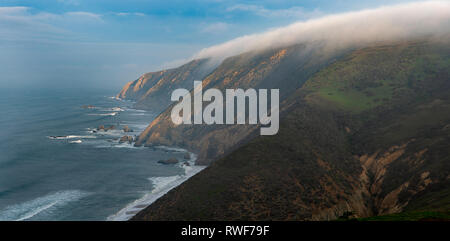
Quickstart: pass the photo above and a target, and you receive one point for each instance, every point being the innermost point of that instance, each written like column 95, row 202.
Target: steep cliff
column 285, row 69
column 366, row 135
column 152, row 90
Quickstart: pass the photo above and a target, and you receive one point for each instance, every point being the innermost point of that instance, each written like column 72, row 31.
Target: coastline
column 161, row 186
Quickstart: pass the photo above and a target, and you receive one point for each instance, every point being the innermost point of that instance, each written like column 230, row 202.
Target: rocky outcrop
column 128, row 139
column 374, row 195
column 127, row 129
column 103, row 128
column 168, row 161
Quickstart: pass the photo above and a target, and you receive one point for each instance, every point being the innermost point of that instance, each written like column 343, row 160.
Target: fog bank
column 387, row 23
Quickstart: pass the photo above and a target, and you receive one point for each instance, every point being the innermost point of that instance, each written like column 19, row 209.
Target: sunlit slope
column 151, row 91
column 285, row 69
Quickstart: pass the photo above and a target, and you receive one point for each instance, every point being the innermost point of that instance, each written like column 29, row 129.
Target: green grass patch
column 372, row 77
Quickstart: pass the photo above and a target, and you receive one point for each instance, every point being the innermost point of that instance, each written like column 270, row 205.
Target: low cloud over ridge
column 341, row 30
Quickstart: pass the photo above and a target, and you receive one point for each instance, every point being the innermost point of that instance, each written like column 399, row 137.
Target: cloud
column 122, row 14
column 130, row 14
column 216, row 27
column 8, row 11
column 85, row 15
column 24, row 14
column 17, row 23
column 342, row 30
column 296, row 12
column 70, row 2
column 21, row 23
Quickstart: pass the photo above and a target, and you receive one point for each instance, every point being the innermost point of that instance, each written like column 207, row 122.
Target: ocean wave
column 76, row 141
column 47, row 203
column 110, row 132
column 117, row 109
column 114, row 98
column 161, row 185
column 106, row 114
column 116, row 144
column 70, row 137
column 173, row 149
column 136, row 110
column 128, row 145
column 110, row 109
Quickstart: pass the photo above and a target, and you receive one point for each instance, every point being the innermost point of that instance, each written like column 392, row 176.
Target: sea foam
column 47, row 203
column 161, row 185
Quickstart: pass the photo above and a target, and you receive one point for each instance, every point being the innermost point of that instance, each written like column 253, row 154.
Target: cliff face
column 283, row 68
column 152, row 90
column 366, row 135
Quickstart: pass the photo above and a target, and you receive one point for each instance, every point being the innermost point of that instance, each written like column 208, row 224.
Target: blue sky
column 105, row 43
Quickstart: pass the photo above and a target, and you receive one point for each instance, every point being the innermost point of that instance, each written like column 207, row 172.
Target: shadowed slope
column 331, row 158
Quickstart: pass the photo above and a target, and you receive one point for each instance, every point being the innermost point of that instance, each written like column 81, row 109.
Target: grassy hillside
column 367, row 135
column 380, row 75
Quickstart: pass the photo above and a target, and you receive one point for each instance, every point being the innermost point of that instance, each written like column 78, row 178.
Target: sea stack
column 168, row 161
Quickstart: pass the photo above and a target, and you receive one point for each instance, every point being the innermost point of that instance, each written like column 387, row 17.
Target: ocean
column 56, row 165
